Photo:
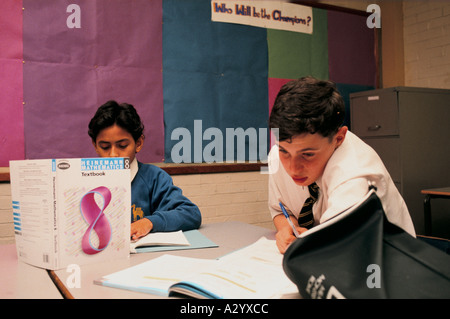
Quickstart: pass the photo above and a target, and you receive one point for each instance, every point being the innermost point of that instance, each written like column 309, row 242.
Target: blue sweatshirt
column 154, row 196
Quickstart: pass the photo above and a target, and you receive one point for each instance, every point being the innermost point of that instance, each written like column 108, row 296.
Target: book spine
column 55, row 239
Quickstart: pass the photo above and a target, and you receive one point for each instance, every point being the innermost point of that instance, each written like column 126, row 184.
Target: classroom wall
column 426, row 32
column 423, row 36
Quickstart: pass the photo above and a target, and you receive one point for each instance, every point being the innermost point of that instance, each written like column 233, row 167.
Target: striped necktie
column 306, row 218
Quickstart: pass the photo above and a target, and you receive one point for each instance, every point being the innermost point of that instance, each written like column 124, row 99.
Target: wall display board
column 202, row 74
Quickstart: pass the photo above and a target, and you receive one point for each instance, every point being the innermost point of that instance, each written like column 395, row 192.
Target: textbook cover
column 71, row 211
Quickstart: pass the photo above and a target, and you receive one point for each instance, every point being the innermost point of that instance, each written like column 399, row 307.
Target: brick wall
column 426, row 32
column 229, row 196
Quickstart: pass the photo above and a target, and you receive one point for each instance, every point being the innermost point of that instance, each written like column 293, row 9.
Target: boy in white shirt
column 314, row 148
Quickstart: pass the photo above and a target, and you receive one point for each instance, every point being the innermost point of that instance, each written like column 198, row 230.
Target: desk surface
column 443, row 191
column 19, row 280
column 230, row 236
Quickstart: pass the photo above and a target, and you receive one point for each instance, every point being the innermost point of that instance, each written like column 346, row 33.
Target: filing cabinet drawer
column 375, row 115
column 388, row 149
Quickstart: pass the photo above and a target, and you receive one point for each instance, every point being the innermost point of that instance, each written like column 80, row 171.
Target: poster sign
column 266, row 14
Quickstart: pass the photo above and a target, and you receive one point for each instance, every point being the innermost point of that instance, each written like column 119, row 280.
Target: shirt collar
column 133, row 168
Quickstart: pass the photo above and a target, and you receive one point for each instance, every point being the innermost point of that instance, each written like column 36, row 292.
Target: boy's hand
column 285, row 235
column 140, row 228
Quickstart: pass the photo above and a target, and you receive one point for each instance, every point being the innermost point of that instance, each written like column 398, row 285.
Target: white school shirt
column 133, row 168
column 344, row 182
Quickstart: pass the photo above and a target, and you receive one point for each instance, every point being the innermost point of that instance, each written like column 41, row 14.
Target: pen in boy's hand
column 289, row 220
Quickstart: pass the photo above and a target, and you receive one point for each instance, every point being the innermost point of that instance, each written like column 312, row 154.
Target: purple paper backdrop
column 69, row 72
column 351, row 49
column 11, row 92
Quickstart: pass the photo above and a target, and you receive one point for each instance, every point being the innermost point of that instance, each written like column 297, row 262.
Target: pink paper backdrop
column 11, row 92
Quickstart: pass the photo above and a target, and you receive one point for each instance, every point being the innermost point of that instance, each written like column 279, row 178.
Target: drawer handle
column 374, row 128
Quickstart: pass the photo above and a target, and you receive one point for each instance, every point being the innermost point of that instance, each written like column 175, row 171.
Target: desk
column 19, row 280
column 429, row 194
column 230, row 236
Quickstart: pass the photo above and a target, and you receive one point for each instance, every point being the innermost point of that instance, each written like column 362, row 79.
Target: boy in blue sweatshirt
column 157, row 205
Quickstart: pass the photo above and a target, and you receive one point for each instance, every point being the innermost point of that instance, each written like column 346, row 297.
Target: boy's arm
column 345, row 195
column 172, row 210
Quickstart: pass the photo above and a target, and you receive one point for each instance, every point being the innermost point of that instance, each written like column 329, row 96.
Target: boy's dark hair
column 307, row 105
column 123, row 115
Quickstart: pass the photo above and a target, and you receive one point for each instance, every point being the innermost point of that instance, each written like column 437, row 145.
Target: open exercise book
column 252, row 272
column 160, row 239
column 178, row 240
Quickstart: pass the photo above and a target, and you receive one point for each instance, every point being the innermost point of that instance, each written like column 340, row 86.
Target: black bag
column 359, row 254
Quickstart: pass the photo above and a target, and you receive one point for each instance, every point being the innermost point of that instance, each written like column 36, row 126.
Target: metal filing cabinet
column 409, row 128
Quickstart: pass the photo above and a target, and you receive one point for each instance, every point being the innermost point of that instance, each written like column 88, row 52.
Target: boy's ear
column 95, row 145
column 340, row 135
column 139, row 143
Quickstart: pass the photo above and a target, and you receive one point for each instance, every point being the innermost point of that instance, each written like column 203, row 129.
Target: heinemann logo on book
column 95, row 164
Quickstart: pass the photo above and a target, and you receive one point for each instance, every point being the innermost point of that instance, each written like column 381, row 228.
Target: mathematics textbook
column 71, row 211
